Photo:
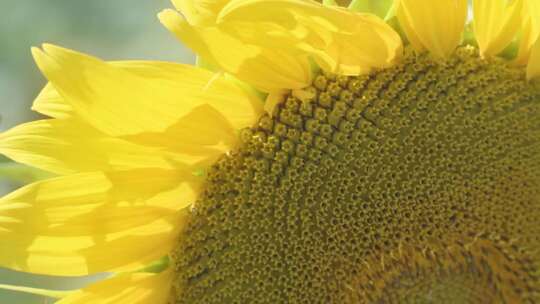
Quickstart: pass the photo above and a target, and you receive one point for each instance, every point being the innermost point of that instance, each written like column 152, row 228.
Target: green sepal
column 156, row 266
column 200, row 172
column 468, row 35
column 394, row 23
column 382, row 8
column 511, row 51
column 314, row 67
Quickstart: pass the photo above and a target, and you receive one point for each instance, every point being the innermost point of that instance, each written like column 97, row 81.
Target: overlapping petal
column 496, row 23
column 530, row 30
column 146, row 97
column 50, row 103
column 266, row 68
column 200, row 12
column 531, row 12
column 533, row 67
column 66, row 146
column 94, row 222
column 205, row 113
column 340, row 40
column 436, row 26
column 128, row 288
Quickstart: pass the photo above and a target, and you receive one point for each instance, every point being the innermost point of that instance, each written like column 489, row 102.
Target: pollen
column 415, row 183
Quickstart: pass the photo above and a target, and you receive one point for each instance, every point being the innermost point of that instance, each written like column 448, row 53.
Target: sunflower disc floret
column 418, row 155
column 387, row 152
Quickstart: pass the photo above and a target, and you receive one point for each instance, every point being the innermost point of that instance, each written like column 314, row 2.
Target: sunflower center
column 391, row 164
column 452, row 270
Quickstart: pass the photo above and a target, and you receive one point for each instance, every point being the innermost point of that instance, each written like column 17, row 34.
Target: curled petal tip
column 169, row 16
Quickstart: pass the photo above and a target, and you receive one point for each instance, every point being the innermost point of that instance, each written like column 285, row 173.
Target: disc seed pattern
column 420, row 179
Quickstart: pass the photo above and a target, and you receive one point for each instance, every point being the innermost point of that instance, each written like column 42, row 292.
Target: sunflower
column 387, row 152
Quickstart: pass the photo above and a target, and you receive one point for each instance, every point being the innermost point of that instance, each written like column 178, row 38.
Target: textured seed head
column 417, row 183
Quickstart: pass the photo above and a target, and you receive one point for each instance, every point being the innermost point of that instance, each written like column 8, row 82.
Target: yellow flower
column 317, row 158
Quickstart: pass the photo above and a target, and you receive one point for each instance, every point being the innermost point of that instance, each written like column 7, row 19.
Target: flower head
column 317, row 158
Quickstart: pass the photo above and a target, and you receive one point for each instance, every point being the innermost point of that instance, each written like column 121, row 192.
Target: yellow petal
column 94, row 222
column 526, row 42
column 120, row 102
column 128, row 288
column 201, row 136
column 433, row 25
column 200, row 12
column 265, row 68
column 50, row 103
column 496, row 23
column 533, row 67
column 215, row 122
column 532, row 7
column 273, row 100
column 340, row 40
column 530, row 30
column 66, row 146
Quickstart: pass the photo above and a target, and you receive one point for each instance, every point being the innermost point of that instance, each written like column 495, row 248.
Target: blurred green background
column 111, row 30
